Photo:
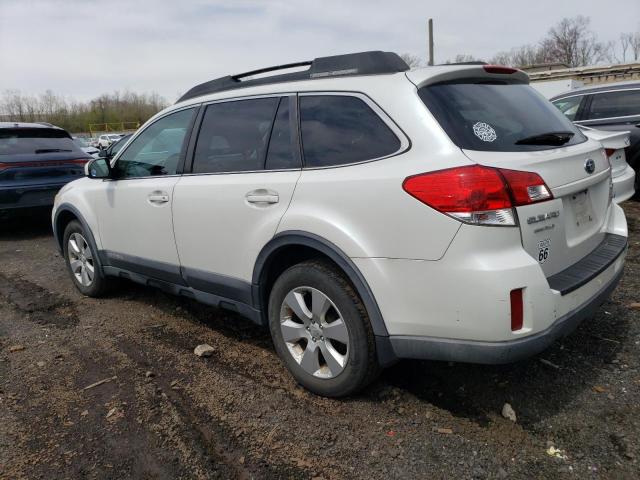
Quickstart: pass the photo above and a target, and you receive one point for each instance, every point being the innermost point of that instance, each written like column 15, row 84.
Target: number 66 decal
column 544, row 250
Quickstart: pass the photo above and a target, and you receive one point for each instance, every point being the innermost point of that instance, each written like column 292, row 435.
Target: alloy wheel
column 81, row 259
column 314, row 332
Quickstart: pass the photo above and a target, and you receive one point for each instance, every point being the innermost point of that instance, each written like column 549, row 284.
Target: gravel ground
column 162, row 412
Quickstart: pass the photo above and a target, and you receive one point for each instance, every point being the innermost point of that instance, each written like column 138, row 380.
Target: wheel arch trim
column 306, row 239
column 66, row 207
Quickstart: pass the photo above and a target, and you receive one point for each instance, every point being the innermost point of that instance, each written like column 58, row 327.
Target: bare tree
column 413, row 61
column 76, row 116
column 572, row 42
column 625, row 42
column 523, row 56
column 635, row 46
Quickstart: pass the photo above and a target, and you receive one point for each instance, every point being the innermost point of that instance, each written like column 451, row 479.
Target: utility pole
column 430, row 41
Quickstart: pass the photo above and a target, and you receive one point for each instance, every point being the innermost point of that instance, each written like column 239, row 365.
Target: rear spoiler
column 613, row 140
column 447, row 73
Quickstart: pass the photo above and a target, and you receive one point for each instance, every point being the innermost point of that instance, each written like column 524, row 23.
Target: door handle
column 262, row 196
column 158, row 197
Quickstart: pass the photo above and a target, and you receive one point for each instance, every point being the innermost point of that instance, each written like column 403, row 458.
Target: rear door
column 246, row 163
column 508, row 125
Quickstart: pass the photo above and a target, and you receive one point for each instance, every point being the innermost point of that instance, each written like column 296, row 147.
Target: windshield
column 119, row 144
column 498, row 116
column 15, row 141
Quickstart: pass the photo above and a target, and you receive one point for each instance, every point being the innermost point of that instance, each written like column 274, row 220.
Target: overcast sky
column 82, row 48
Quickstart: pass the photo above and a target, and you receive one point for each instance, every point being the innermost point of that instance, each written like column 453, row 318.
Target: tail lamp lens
column 477, row 194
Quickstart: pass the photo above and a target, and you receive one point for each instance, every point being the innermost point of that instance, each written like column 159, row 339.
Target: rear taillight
column 609, row 151
column 476, row 194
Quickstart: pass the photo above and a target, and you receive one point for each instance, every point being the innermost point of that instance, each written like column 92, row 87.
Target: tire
column 89, row 267
column 321, row 296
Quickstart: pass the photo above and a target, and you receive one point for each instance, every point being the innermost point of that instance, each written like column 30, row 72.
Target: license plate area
column 580, row 205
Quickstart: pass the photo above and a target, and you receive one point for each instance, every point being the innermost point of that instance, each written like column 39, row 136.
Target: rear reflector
column 516, row 310
column 499, row 69
column 476, row 194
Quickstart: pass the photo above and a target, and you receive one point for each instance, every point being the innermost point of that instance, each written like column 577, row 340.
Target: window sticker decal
column 484, row 132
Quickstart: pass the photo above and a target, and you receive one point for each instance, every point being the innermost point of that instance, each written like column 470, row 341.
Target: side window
column 569, row 106
column 234, row 136
column 156, row 151
column 615, row 104
column 281, row 153
column 340, row 129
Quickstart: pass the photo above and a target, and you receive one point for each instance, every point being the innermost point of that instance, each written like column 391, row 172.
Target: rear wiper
column 549, row 138
column 52, row 150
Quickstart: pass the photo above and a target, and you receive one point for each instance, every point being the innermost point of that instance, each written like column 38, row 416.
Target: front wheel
column 321, row 330
column 82, row 261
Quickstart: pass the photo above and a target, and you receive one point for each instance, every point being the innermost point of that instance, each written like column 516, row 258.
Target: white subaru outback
column 364, row 212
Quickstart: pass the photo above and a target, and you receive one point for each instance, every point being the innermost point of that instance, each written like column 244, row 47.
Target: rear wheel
column 321, row 330
column 82, row 261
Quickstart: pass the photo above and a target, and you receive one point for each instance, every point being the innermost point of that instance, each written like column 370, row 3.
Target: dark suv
column 615, row 107
column 36, row 160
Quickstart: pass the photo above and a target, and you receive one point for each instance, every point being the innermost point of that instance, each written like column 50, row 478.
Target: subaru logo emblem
column 589, row 166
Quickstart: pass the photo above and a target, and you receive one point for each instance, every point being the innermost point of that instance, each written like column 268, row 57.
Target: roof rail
column 363, row 63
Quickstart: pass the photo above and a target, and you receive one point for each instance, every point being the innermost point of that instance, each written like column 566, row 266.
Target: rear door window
column 494, row 116
column 342, row 129
column 623, row 103
column 234, row 136
column 17, row 141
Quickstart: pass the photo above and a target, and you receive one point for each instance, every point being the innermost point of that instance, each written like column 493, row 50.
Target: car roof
column 629, row 85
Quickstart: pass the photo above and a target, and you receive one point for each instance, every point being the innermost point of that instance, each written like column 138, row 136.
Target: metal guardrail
column 98, row 128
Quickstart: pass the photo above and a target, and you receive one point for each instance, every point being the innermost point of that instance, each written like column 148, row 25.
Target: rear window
column 341, row 129
column 493, row 116
column 16, row 141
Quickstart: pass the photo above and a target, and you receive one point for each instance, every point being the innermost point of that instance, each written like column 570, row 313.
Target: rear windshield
column 16, row 141
column 494, row 116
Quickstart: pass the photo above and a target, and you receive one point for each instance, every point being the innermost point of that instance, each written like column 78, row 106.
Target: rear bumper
column 624, row 184
column 28, row 196
column 500, row 352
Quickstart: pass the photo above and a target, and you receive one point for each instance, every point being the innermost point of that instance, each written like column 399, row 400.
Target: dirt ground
column 165, row 413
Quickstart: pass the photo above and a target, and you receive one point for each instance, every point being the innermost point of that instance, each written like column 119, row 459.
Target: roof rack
column 363, row 63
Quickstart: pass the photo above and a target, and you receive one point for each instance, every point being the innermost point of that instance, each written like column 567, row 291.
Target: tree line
column 571, row 42
column 75, row 116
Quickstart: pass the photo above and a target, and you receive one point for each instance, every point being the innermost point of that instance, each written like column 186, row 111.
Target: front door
column 134, row 209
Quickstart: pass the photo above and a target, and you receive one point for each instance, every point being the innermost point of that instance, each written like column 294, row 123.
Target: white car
column 86, row 146
column 362, row 211
column 622, row 175
column 104, row 141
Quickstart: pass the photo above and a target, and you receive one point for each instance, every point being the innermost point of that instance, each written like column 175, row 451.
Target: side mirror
column 97, row 168
column 102, row 154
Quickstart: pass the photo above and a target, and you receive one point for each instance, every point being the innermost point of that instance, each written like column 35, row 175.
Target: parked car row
column 363, row 212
